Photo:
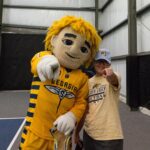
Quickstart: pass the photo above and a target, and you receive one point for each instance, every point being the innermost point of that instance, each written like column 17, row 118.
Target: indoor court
column 123, row 25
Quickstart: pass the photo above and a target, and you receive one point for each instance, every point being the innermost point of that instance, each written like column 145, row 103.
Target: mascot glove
column 48, row 68
column 65, row 123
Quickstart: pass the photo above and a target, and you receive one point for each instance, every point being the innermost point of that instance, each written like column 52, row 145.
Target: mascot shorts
column 33, row 142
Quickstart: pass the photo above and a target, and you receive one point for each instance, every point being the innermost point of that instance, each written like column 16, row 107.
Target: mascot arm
column 66, row 123
column 81, row 102
column 45, row 66
column 35, row 60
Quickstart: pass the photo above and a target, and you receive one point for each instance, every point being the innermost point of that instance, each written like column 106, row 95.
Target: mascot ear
column 53, row 40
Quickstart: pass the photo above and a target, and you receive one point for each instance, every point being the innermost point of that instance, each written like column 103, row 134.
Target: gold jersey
column 52, row 98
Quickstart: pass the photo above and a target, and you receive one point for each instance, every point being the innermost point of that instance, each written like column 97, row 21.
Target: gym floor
column 14, row 104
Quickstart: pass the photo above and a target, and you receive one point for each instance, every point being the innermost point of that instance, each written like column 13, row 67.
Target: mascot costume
column 59, row 88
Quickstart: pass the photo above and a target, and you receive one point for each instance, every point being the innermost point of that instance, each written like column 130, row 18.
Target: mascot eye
column 84, row 50
column 67, row 42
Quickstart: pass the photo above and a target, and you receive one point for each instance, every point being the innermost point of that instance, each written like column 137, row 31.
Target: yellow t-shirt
column 102, row 121
column 50, row 99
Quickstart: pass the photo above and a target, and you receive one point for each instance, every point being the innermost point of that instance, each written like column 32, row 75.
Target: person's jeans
column 91, row 144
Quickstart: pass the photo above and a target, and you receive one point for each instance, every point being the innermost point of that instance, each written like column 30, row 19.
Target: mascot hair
column 79, row 25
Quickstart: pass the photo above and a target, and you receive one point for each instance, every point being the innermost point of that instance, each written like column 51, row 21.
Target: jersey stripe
column 36, row 87
column 34, row 96
column 30, row 114
column 32, row 105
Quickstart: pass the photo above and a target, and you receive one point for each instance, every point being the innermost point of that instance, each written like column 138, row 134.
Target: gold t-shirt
column 102, row 121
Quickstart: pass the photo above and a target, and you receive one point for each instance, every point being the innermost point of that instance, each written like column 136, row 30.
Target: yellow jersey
column 52, row 98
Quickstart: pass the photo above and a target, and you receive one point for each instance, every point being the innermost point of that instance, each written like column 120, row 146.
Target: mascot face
column 70, row 48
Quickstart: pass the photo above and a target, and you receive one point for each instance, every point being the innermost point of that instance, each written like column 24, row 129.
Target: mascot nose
column 74, row 50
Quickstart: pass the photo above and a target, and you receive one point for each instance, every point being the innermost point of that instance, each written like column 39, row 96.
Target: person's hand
column 107, row 72
column 111, row 76
column 65, row 123
column 48, row 68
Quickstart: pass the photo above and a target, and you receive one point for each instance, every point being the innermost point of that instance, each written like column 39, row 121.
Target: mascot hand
column 65, row 123
column 48, row 68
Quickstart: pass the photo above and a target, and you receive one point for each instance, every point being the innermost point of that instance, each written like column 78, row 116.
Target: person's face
column 71, row 49
column 100, row 65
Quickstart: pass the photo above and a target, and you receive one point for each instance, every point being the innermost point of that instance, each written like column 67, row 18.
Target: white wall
column 120, row 67
column 141, row 3
column 101, row 3
column 117, row 42
column 51, row 3
column 143, row 33
column 113, row 14
column 38, row 17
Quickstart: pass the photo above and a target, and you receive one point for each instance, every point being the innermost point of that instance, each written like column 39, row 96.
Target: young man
column 102, row 127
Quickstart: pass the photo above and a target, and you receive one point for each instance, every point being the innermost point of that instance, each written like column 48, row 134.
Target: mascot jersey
column 52, row 98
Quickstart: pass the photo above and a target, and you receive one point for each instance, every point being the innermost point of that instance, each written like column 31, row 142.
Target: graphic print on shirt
column 60, row 92
column 97, row 93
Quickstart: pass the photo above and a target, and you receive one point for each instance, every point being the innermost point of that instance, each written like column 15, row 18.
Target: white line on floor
column 14, row 91
column 12, row 118
column 143, row 110
column 16, row 135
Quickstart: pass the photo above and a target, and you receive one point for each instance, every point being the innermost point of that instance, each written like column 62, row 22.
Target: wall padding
column 17, row 51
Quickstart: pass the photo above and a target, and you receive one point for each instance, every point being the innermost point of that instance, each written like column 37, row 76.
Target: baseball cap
column 103, row 54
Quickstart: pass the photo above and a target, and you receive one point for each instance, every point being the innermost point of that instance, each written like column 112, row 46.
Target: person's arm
column 113, row 80
column 79, row 127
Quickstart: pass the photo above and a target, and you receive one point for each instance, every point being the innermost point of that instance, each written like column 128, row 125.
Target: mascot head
column 73, row 41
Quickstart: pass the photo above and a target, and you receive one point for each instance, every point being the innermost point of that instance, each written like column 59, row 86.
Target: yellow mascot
column 59, row 88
